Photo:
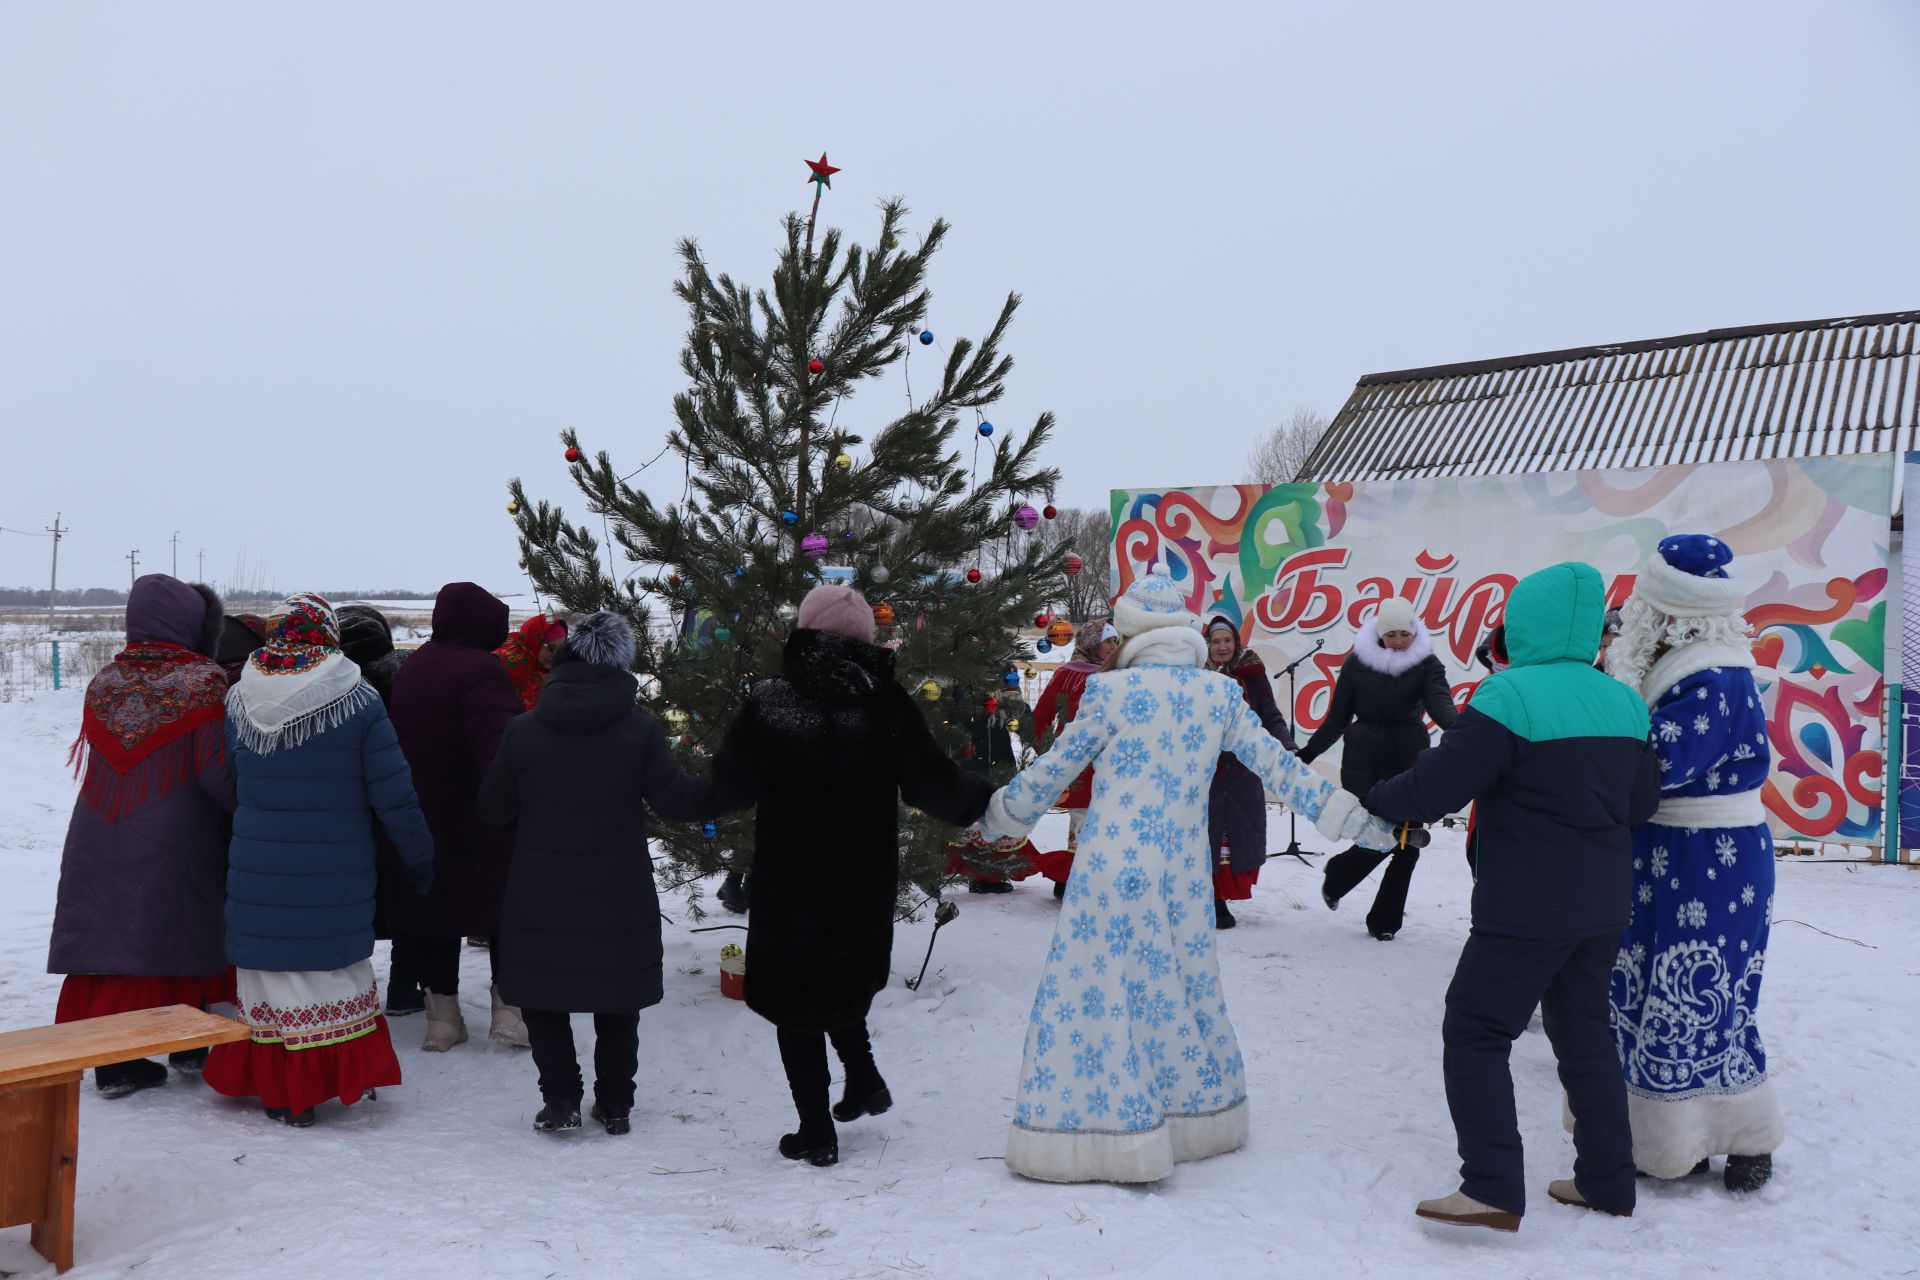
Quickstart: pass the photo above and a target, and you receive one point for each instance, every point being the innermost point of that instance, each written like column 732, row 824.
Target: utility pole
column 53, row 582
column 176, row 553
column 133, row 567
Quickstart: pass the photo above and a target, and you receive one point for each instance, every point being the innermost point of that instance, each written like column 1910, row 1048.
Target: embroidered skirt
column 95, row 995
column 314, row 1036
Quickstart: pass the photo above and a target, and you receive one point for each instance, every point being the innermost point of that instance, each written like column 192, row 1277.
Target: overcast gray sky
column 311, row 281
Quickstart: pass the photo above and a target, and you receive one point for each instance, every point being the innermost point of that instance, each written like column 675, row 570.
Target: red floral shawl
column 138, row 736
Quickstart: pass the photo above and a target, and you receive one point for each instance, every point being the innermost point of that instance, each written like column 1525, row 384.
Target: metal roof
column 1812, row 388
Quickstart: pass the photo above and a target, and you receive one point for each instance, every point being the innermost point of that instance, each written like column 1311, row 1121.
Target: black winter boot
column 118, row 1079
column 191, row 1061
column 867, row 1100
column 734, row 893
column 817, row 1144
column 1060, row 889
column 618, row 1120
column 557, row 1116
column 1222, row 918
column 404, row 997
column 1747, row 1173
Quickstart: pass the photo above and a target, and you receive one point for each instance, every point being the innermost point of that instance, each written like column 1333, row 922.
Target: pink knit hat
column 841, row 610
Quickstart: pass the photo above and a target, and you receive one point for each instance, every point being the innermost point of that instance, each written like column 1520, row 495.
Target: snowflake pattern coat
column 1686, row 982
column 1131, row 1061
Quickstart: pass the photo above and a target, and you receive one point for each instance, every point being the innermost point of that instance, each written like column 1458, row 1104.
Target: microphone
column 1318, row 645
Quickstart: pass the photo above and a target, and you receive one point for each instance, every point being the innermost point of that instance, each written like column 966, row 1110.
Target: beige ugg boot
column 1565, row 1191
column 1463, row 1210
column 446, row 1027
column 507, row 1024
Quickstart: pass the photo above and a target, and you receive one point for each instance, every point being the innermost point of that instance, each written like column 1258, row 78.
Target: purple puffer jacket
column 452, row 701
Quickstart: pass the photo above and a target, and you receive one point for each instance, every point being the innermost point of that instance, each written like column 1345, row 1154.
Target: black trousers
column 1495, row 987
column 435, row 962
column 616, row 1056
column 804, row 1055
column 1389, row 910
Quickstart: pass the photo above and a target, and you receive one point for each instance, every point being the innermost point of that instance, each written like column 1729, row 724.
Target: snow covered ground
column 1342, row 1041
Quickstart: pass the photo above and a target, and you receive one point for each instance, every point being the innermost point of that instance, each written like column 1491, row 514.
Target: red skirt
column 95, row 995
column 1018, row 862
column 1230, row 885
column 301, row 1079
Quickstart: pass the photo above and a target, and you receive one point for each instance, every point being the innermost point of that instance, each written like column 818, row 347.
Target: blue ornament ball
column 986, row 428
column 709, row 830
column 926, row 337
column 722, row 634
column 1045, row 646
column 789, row 517
column 1011, row 679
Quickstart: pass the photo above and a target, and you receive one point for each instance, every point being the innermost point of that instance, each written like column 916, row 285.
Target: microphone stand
column 1293, row 849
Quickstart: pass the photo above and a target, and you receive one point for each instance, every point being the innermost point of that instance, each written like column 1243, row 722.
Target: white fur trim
column 1164, row 647
column 1684, row 595
column 997, row 823
column 1341, row 811
column 1690, row 660
column 1698, row 813
column 1671, row 1135
column 1054, row 1155
column 1375, row 656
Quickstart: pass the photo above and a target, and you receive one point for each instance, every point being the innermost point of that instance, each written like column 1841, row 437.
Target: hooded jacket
column 451, row 703
column 829, row 750
column 1558, row 757
column 574, row 778
column 1378, row 700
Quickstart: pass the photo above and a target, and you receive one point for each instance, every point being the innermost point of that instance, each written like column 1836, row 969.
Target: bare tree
column 1088, row 532
column 1282, row 456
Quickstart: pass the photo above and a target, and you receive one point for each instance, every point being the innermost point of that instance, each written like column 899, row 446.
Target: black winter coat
column 829, row 750
column 580, row 931
column 1378, row 701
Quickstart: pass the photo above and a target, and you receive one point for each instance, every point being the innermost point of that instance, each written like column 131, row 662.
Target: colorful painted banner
column 1909, row 809
column 1304, row 562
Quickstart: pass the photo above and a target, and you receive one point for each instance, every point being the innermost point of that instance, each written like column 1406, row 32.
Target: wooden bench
column 40, row 1106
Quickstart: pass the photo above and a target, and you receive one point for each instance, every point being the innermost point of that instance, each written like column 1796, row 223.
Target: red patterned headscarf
column 307, row 635
column 152, row 721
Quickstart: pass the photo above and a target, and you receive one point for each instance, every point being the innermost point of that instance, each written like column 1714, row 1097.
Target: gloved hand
column 420, row 876
column 1342, row 816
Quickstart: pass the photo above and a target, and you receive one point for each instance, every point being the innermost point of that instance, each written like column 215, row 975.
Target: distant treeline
column 107, row 597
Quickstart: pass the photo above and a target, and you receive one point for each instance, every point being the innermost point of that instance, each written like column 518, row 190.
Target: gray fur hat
column 603, row 639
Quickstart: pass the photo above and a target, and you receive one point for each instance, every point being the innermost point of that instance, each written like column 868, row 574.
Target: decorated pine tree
column 786, row 479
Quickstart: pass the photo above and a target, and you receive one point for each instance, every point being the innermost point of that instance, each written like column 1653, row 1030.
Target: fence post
column 56, row 666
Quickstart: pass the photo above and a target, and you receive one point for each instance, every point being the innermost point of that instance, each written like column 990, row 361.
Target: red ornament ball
column 816, row 365
column 992, row 705
column 1049, row 511
column 1039, row 619
column 973, row 575
column 968, row 752
column 674, row 581
column 1074, row 565
column 573, row 453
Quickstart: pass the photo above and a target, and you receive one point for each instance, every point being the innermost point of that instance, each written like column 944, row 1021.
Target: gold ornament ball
column 930, row 691
column 844, row 461
column 675, row 719
column 1013, row 726
column 513, row 508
